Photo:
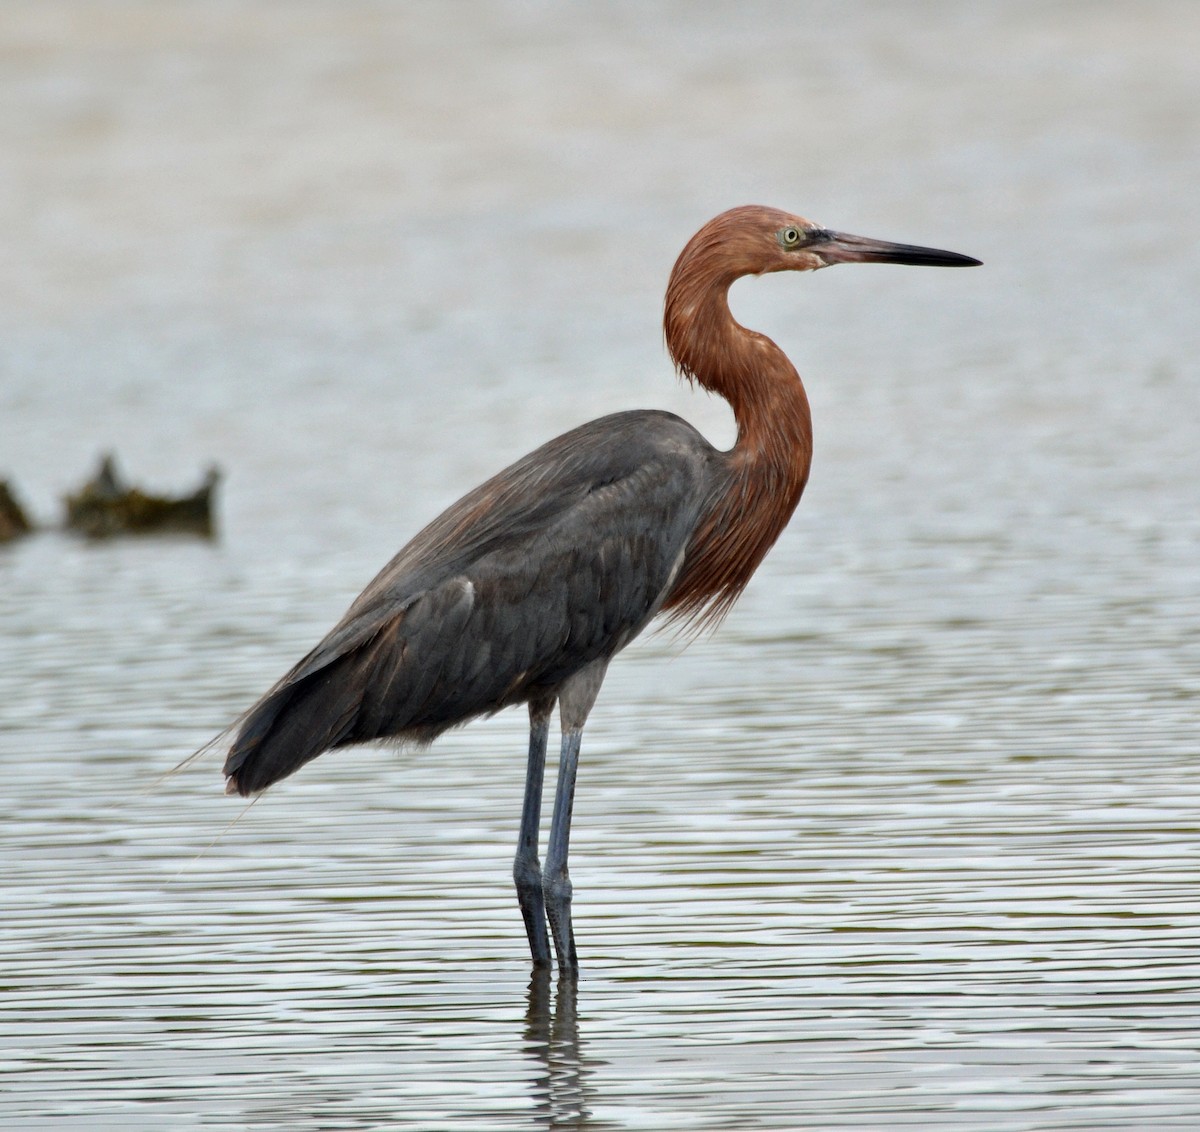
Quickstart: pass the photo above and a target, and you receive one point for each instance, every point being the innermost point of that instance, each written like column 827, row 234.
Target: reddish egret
column 525, row 589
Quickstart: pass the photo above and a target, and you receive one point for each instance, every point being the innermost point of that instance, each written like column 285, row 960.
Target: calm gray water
column 911, row 842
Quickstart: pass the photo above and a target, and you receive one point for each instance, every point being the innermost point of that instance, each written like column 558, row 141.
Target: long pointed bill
column 839, row 247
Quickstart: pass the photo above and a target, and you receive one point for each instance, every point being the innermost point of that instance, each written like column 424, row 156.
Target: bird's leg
column 556, row 881
column 576, row 697
column 527, row 872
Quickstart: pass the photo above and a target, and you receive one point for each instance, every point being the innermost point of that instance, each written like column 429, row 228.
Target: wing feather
column 562, row 558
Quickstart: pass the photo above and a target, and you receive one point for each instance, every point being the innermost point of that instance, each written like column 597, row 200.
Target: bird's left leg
column 527, row 872
column 575, row 701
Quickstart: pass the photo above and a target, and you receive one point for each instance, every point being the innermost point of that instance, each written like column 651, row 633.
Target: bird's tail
column 291, row 725
column 365, row 681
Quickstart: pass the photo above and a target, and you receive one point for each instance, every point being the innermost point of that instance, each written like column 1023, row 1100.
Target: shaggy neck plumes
column 766, row 470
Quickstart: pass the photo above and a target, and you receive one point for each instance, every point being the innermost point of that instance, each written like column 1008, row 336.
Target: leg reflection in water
column 561, row 1093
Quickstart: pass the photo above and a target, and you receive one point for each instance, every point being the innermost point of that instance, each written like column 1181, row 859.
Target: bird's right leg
column 575, row 699
column 527, row 870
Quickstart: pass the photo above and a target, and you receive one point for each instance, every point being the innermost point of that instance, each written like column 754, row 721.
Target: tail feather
column 290, row 726
column 368, row 692
column 383, row 680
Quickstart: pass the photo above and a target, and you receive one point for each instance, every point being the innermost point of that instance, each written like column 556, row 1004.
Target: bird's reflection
column 561, row 1092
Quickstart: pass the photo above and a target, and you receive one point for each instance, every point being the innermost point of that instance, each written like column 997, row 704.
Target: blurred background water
column 911, row 842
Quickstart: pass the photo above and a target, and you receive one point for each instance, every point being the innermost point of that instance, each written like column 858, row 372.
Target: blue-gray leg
column 575, row 699
column 527, row 872
column 556, row 881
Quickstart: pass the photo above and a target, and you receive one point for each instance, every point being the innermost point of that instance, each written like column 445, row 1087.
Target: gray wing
column 559, row 560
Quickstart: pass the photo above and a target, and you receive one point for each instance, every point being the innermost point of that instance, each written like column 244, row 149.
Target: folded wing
column 560, row 559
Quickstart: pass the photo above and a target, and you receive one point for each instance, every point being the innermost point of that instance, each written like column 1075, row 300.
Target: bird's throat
column 768, row 466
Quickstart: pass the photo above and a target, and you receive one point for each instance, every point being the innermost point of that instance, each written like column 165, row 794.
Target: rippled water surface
column 911, row 842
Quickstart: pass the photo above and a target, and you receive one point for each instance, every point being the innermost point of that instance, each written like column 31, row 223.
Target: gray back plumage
column 561, row 559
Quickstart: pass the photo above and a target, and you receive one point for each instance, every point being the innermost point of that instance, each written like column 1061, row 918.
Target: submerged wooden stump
column 13, row 520
column 106, row 507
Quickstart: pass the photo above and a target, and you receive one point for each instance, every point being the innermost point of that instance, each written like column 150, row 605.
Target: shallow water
column 911, row 842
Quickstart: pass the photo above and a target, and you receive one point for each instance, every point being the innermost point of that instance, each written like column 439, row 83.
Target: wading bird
column 525, row 589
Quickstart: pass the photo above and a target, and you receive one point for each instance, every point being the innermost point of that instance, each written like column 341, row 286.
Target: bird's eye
column 790, row 236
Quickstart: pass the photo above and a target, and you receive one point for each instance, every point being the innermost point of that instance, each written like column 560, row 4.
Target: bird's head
column 753, row 240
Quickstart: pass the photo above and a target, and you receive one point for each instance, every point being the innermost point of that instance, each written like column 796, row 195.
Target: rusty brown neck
column 768, row 466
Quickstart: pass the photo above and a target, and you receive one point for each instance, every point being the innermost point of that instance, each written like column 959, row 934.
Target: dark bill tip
column 840, row 247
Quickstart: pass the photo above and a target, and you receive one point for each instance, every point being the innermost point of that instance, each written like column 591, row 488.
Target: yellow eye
column 789, row 237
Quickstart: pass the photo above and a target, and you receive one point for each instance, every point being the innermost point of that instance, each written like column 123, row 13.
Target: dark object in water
column 106, row 506
column 13, row 520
